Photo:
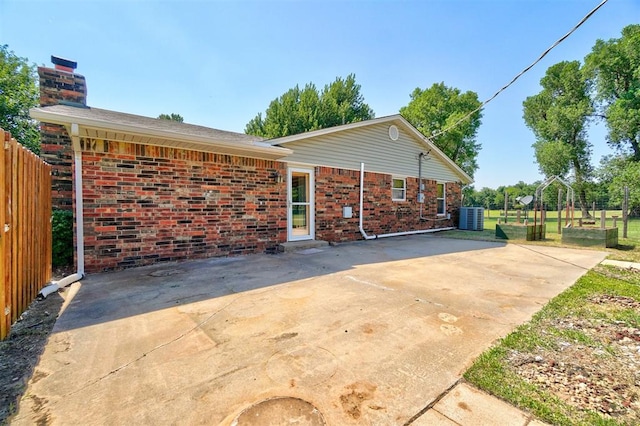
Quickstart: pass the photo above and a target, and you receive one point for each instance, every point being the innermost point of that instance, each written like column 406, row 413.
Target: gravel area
column 600, row 373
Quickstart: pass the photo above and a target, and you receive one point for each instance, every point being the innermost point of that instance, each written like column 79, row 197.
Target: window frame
column 394, row 189
column 443, row 199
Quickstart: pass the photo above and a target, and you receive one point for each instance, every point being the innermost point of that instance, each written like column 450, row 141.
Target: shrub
column 62, row 237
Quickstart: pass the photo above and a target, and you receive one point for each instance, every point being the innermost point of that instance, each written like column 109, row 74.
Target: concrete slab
column 466, row 405
column 366, row 333
column 622, row 264
column 311, row 245
column 433, row 418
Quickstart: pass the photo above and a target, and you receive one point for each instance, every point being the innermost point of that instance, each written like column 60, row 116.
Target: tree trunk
column 582, row 192
column 636, row 149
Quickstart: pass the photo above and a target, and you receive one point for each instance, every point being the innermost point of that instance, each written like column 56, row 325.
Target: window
column 399, row 190
column 442, row 207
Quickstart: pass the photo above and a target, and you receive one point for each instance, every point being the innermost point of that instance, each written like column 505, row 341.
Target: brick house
column 147, row 190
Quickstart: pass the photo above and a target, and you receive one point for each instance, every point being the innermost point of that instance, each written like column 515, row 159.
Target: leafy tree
column 296, row 111
column 342, row 103
column 302, row 110
column 615, row 173
column 440, row 107
column 615, row 67
column 486, row 198
column 172, row 117
column 18, row 93
column 558, row 117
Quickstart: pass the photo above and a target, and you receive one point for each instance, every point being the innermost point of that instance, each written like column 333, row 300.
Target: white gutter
column 70, row 279
column 394, row 234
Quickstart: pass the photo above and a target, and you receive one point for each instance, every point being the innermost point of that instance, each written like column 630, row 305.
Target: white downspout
column 70, row 279
column 394, row 234
column 364, row 234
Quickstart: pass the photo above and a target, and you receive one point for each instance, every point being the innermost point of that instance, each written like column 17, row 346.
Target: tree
column 558, row 117
column 615, row 67
column 615, row 173
column 18, row 93
column 302, row 110
column 440, row 107
column 342, row 103
column 486, row 198
column 296, row 111
column 171, row 117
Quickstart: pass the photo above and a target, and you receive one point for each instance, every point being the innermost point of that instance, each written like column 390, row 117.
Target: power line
column 503, row 88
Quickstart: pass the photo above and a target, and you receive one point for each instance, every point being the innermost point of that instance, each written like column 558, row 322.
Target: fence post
column 559, row 211
column 4, row 259
column 603, row 219
column 625, row 209
column 506, row 206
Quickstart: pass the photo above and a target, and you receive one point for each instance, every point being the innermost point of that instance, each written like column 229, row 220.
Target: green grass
column 491, row 371
column 628, row 248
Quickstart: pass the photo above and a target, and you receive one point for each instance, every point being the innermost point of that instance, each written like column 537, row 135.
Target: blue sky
column 219, row 63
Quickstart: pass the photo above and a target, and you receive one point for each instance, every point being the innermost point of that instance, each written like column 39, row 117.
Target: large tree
column 172, row 117
column 301, row 110
column 615, row 67
column 438, row 112
column 558, row 117
column 18, row 93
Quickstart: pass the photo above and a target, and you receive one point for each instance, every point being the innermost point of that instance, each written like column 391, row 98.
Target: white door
column 300, row 211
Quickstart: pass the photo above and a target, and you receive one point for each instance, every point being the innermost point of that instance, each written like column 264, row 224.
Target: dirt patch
column 356, row 395
column 21, row 350
column 594, row 364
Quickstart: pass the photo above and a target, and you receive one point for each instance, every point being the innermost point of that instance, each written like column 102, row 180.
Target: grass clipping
column 578, row 361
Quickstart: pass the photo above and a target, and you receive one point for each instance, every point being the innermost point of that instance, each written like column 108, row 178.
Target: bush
column 62, row 241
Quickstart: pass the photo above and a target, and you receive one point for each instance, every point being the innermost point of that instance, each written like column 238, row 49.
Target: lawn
column 627, row 250
column 577, row 362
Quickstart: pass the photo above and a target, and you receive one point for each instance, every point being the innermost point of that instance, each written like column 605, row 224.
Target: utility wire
column 503, row 88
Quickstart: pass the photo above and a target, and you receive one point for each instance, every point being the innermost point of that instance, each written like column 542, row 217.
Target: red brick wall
column 147, row 204
column 336, row 188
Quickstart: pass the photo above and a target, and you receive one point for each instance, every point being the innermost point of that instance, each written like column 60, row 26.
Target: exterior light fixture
column 277, row 177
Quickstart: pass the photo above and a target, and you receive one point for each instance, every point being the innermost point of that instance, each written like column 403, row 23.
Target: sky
column 219, row 63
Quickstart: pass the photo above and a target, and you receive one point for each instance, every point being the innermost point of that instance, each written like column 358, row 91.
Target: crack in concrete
column 160, row 346
column 433, row 403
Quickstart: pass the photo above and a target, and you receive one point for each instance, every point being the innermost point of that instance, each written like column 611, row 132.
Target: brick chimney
column 60, row 85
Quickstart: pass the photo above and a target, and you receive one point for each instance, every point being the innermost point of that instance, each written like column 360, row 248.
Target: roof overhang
column 97, row 127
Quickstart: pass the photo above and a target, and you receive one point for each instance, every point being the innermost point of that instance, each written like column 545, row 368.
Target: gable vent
column 393, row 132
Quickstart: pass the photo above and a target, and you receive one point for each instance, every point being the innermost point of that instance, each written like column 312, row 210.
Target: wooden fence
column 25, row 233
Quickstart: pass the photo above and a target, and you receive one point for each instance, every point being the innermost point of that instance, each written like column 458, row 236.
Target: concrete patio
column 364, row 333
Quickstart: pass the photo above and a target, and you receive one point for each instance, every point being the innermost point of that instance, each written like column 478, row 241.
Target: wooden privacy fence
column 25, row 234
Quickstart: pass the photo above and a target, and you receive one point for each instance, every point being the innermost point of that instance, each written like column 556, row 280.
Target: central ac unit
column 471, row 218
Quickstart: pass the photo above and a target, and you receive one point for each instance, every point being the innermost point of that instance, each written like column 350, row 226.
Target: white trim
column 311, row 203
column 404, row 188
column 444, row 198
